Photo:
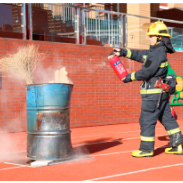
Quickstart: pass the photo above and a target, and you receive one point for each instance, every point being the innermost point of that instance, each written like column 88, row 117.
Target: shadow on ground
column 97, row 145
column 162, row 149
column 164, row 138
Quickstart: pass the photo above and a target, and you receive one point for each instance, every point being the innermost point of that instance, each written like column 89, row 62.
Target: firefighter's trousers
column 148, row 119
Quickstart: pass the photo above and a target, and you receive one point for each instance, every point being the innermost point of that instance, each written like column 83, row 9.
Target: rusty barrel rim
column 49, row 133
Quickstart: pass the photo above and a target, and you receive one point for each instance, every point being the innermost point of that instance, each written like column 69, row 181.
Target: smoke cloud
column 12, row 145
column 43, row 75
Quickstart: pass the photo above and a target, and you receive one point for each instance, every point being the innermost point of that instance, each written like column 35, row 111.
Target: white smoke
column 12, row 145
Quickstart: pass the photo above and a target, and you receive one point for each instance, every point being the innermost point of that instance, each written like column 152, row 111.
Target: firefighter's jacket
column 154, row 66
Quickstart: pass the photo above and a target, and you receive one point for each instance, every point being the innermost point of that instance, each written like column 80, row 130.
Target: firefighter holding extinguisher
column 155, row 101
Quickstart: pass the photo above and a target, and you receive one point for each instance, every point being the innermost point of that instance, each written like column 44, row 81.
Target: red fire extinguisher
column 172, row 112
column 118, row 66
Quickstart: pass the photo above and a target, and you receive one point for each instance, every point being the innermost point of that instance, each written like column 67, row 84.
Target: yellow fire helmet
column 159, row 29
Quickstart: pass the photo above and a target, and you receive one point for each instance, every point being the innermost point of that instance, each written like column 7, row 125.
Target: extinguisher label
column 118, row 62
column 119, row 67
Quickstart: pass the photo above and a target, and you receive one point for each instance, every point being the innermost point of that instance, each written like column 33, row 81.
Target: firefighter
column 155, row 103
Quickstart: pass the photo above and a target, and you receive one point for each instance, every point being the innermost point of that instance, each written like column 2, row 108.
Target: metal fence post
column 109, row 41
column 120, row 30
column 23, row 17
column 77, row 25
column 124, row 31
column 99, row 25
column 96, row 25
column 82, row 27
column 64, row 14
column 29, row 21
column 53, row 12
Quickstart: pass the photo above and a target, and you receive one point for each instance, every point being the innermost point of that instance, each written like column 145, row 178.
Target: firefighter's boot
column 142, row 153
column 174, row 150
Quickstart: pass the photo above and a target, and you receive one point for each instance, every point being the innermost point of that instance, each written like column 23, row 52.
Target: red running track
column 111, row 147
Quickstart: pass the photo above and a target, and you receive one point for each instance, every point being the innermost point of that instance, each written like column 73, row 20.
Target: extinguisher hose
column 111, row 53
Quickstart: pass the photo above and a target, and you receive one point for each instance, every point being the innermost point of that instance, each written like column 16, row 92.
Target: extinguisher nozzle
column 111, row 55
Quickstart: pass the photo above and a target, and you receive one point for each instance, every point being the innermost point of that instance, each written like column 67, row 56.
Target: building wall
column 163, row 4
column 172, row 14
column 170, row 5
column 135, row 34
column 154, row 9
column 98, row 98
column 175, row 5
column 122, row 7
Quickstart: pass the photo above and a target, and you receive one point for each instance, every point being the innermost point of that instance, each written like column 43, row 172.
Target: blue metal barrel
column 48, row 121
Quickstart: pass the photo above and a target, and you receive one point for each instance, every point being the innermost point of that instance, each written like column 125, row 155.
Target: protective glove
column 127, row 79
column 119, row 52
column 172, row 83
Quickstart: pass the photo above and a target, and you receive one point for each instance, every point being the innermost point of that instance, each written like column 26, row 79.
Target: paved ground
column 110, row 146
